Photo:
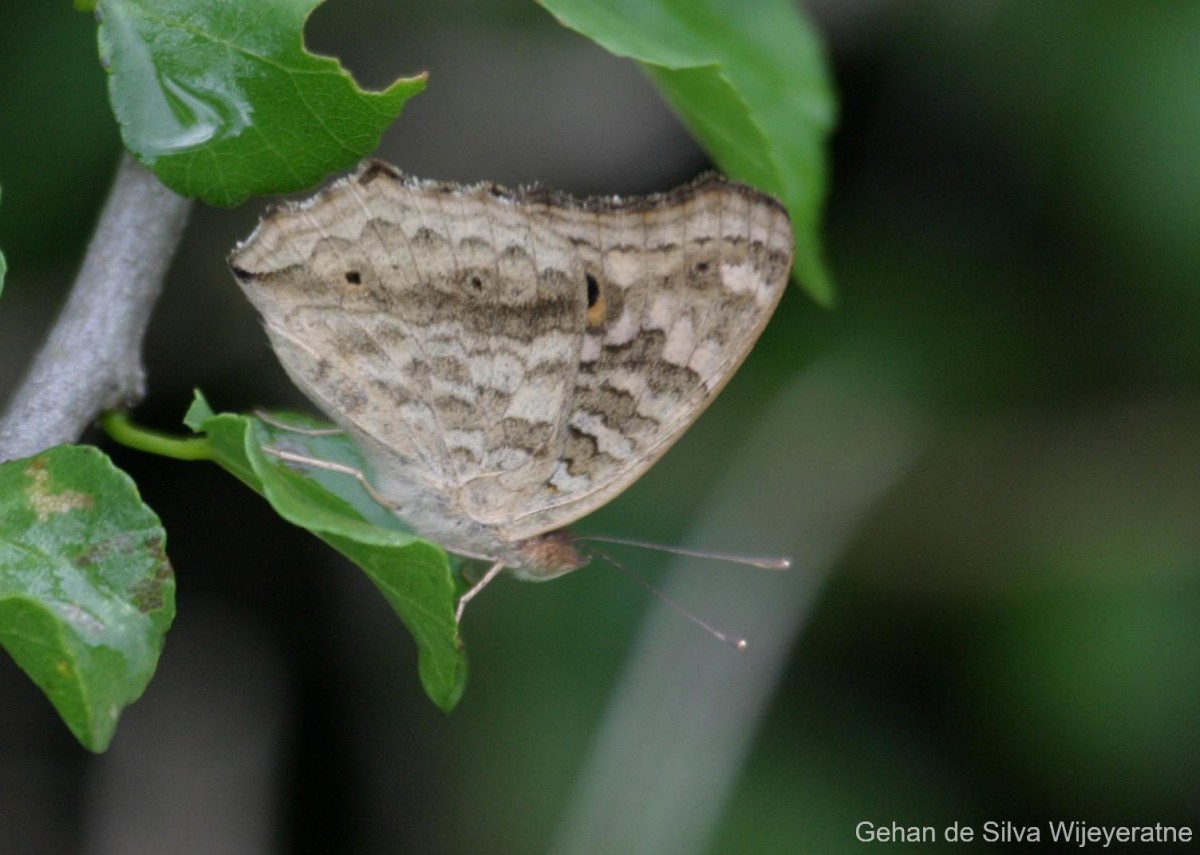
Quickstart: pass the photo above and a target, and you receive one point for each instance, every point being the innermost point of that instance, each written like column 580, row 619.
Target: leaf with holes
column 222, row 100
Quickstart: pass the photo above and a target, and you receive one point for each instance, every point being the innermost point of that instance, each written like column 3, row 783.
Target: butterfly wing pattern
column 508, row 361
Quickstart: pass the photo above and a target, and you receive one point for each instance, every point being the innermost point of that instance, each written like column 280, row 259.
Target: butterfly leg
column 268, row 419
column 491, row 574
column 317, row 463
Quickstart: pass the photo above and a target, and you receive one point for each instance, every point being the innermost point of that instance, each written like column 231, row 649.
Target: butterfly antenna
column 745, row 560
column 734, row 641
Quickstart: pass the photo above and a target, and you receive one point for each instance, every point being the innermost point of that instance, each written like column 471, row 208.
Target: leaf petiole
column 118, row 426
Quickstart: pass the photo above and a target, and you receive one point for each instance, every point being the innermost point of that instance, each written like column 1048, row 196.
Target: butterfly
column 509, row 361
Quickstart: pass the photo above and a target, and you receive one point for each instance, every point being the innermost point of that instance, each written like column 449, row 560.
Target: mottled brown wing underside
column 511, row 361
column 686, row 283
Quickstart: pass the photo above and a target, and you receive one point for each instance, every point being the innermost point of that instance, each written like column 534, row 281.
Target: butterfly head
column 547, row 556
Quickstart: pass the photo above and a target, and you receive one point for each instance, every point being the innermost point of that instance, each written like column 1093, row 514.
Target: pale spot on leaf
column 45, row 501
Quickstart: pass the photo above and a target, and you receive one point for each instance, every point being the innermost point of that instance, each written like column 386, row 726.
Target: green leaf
column 749, row 80
column 3, row 271
column 86, row 591
column 414, row 575
column 222, row 101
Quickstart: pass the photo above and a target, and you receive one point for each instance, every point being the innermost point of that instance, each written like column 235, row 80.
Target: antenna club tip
column 740, row 644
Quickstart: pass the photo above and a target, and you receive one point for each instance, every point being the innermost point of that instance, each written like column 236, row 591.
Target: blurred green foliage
column 1013, row 634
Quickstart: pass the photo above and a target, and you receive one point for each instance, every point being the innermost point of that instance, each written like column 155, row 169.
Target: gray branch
column 92, row 359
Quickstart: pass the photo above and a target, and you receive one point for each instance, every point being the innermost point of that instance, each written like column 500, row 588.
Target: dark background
column 985, row 460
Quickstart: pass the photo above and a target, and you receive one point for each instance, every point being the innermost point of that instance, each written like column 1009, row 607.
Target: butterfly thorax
column 546, row 556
